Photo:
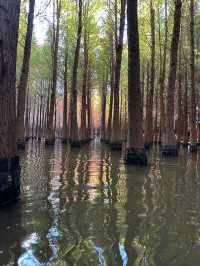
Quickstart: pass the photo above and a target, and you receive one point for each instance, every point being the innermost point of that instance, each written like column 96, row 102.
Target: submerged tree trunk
column 9, row 161
column 149, row 118
column 116, row 142
column 170, row 146
column 65, row 115
column 74, row 136
column 193, row 116
column 24, row 79
column 135, row 147
column 50, row 137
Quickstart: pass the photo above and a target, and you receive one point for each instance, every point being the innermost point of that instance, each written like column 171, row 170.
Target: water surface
column 86, row 207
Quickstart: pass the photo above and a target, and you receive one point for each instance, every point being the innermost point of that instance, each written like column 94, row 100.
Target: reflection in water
column 86, row 207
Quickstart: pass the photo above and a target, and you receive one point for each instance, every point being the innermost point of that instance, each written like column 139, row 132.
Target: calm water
column 88, row 208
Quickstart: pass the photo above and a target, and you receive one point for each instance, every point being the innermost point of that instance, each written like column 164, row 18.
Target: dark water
column 88, row 208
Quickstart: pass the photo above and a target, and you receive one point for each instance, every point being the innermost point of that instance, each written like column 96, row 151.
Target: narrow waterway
column 86, row 207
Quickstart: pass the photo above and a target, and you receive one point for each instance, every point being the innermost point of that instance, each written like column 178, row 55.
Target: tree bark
column 83, row 131
column 170, row 147
column 103, row 111
column 74, row 135
column 193, row 115
column 185, row 112
column 89, row 116
column 116, row 142
column 24, row 79
column 149, row 119
column 179, row 123
column 9, row 162
column 65, row 113
column 162, row 78
column 110, row 113
column 135, row 148
column 50, row 137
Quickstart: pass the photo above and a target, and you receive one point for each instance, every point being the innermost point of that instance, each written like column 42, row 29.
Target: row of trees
column 143, row 86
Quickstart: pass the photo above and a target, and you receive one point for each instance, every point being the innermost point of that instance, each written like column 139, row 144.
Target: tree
column 50, row 137
column 65, row 124
column 162, row 77
column 116, row 142
column 83, row 129
column 74, row 135
column 169, row 145
column 193, row 116
column 24, row 79
column 135, row 153
column 9, row 161
column 149, row 118
column 103, row 109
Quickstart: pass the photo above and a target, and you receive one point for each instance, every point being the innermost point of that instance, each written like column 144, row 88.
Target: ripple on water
column 86, row 207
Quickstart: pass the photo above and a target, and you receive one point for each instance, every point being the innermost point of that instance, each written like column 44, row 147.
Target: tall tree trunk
column 110, row 113
column 149, row 119
column 179, row 123
column 40, row 112
column 74, row 136
column 193, row 116
column 65, row 113
column 89, row 116
column 185, row 112
column 50, row 137
column 37, row 119
column 155, row 130
column 135, row 148
column 9, row 162
column 33, row 121
column 170, row 147
column 162, row 78
column 103, row 111
column 83, row 131
column 24, row 79
column 27, row 115
column 116, row 142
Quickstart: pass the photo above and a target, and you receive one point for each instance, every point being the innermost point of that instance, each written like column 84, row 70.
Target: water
column 88, row 208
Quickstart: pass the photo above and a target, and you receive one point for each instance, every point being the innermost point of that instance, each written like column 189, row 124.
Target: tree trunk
column 89, row 118
column 179, row 123
column 9, row 162
column 83, row 133
column 24, row 79
column 108, row 130
column 50, row 137
column 170, row 147
column 193, row 116
column 65, row 114
column 116, row 142
column 149, row 119
column 162, row 78
column 74, row 136
column 27, row 115
column 135, row 150
column 33, row 121
column 40, row 112
column 103, row 111
column 185, row 112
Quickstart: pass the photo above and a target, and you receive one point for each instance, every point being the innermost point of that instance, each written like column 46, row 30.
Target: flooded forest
column 99, row 132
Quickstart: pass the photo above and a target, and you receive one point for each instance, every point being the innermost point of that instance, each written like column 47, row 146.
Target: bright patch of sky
column 43, row 14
